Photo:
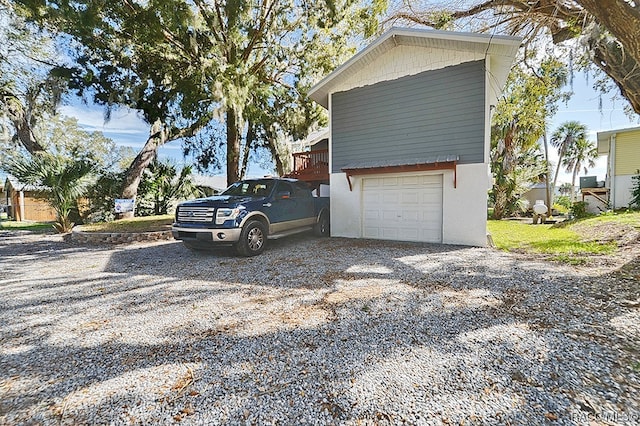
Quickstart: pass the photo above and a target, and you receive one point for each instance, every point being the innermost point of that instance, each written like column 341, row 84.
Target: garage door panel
column 372, row 215
column 390, row 216
column 406, row 208
column 390, row 197
column 411, row 180
column 371, row 183
column 410, row 197
column 411, row 216
column 371, row 232
column 390, row 182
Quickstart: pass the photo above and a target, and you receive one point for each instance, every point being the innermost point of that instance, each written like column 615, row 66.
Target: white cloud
column 122, row 122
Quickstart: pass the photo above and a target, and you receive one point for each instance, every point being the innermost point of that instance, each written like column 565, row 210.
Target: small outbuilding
column 409, row 135
column 24, row 202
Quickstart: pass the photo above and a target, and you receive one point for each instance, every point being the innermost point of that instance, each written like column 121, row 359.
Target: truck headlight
column 222, row 215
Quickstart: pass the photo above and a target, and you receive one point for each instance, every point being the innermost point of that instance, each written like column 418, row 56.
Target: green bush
column 635, row 191
column 579, row 210
column 564, row 201
column 560, row 208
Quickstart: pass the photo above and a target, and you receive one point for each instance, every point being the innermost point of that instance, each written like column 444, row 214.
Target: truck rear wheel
column 322, row 228
column 253, row 239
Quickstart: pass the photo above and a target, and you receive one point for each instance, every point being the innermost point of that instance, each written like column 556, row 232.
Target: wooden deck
column 311, row 166
column 600, row 194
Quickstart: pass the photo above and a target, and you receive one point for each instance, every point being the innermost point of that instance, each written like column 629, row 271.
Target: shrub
column 560, row 208
column 635, row 190
column 579, row 210
column 564, row 201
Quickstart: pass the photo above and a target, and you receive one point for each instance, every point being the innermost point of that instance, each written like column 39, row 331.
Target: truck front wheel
column 253, row 239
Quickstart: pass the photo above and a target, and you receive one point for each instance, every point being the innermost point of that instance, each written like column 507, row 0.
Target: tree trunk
column 500, row 202
column 623, row 69
column 280, row 168
column 620, row 19
column 233, row 147
column 247, row 150
column 573, row 183
column 157, row 137
column 20, row 120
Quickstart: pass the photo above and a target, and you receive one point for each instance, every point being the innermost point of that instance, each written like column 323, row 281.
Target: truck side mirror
column 283, row 195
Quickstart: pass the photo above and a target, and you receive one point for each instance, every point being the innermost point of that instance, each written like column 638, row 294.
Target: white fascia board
column 606, row 135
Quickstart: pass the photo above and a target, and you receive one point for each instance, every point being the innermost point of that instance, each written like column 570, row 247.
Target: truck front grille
column 195, row 214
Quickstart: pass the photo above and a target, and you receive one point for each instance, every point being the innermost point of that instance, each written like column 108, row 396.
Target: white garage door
column 402, row 208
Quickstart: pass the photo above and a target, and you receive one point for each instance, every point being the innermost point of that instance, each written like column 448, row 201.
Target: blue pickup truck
column 248, row 213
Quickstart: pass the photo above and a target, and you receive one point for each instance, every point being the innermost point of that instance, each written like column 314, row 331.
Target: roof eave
column 605, row 135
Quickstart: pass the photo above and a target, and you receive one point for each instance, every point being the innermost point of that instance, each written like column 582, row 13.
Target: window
column 302, row 190
column 286, row 187
column 250, row 188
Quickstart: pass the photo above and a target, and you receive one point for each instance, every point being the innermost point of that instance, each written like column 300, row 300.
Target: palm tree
column 564, row 138
column 566, row 189
column 582, row 154
column 62, row 181
column 162, row 185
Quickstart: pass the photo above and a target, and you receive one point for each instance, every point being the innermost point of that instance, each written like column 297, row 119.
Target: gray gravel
column 315, row 331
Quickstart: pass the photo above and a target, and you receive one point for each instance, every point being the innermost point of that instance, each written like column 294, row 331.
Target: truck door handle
column 266, row 205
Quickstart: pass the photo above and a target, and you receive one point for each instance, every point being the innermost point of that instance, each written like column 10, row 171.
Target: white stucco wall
column 464, row 208
column 594, row 205
column 622, row 191
column 346, row 212
column 405, row 60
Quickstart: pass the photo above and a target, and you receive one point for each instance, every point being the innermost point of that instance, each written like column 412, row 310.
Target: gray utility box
column 588, row 182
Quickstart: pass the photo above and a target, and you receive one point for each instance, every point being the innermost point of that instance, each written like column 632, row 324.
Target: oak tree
column 183, row 63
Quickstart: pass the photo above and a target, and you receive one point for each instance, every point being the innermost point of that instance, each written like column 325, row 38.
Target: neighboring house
column 24, row 202
column 209, row 185
column 537, row 191
column 409, row 135
column 622, row 148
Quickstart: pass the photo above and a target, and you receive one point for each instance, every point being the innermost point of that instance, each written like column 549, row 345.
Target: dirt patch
column 623, row 234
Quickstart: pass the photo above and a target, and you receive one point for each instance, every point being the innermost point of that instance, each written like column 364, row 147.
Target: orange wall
column 34, row 209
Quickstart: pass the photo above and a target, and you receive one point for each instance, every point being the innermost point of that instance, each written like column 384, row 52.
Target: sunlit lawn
column 562, row 243
column 137, row 224
column 631, row 218
column 25, row 226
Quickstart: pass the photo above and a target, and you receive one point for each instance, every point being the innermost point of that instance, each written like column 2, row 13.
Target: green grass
column 12, row 225
column 631, row 218
column 137, row 224
column 562, row 243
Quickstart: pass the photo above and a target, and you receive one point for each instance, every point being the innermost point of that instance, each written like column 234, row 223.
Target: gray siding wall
column 439, row 112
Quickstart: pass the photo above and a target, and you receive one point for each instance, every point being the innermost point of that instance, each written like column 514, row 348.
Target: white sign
column 124, row 205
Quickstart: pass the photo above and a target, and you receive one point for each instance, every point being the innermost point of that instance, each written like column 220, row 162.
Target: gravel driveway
column 317, row 331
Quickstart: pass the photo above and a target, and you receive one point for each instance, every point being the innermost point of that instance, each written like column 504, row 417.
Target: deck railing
column 311, row 165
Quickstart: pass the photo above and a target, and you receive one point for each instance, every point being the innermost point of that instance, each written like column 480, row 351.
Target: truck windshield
column 251, row 188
